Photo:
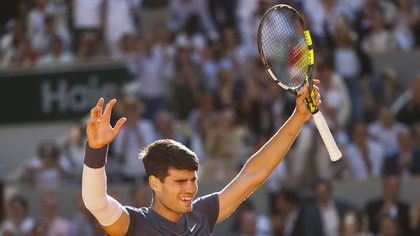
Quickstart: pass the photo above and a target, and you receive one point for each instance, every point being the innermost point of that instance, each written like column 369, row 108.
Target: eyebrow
column 184, row 180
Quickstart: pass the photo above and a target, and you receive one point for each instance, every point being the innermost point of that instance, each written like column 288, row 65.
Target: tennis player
column 171, row 169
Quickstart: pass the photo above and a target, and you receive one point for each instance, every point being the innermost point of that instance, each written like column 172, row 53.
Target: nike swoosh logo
column 192, row 228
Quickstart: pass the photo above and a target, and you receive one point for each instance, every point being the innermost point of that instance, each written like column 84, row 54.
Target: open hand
column 99, row 130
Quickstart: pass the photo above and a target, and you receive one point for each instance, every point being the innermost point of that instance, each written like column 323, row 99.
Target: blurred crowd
column 197, row 79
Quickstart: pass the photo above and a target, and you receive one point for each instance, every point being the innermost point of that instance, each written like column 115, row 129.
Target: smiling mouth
column 186, row 199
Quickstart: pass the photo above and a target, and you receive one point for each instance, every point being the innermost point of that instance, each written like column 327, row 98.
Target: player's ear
column 153, row 182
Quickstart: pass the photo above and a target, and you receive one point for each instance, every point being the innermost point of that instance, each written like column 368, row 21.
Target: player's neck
column 166, row 212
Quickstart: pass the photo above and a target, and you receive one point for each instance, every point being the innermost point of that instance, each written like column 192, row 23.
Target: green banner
column 53, row 94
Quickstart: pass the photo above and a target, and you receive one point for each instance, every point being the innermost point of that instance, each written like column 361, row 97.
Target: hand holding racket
column 285, row 48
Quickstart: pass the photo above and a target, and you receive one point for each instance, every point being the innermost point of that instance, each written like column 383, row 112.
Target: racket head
column 285, row 48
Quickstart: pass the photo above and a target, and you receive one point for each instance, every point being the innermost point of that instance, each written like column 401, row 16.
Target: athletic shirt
column 201, row 221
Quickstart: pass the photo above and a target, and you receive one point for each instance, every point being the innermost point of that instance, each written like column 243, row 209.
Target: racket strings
column 284, row 47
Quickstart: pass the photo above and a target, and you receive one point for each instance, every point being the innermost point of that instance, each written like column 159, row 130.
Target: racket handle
column 327, row 137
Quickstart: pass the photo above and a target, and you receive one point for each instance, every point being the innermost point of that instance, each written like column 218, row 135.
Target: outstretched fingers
column 108, row 108
column 96, row 112
column 119, row 125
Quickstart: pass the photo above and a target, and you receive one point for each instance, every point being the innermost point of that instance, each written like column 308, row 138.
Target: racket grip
column 327, row 137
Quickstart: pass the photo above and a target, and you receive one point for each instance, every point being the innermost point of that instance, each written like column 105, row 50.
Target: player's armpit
column 119, row 227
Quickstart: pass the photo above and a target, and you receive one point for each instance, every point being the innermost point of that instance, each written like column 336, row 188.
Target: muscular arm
column 259, row 167
column 110, row 214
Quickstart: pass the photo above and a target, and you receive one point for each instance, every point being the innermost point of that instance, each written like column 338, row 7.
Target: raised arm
column 110, row 213
column 259, row 167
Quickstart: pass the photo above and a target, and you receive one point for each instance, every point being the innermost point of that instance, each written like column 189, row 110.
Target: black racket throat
column 310, row 102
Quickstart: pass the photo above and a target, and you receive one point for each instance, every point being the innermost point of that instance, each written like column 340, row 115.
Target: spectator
column 351, row 224
column 323, row 214
column 119, row 21
column 57, row 53
column 385, row 130
column 191, row 35
column 410, row 111
column 53, row 222
column 233, row 49
column 405, row 21
column 381, row 89
column 226, row 81
column 349, row 61
column 388, row 205
column 389, row 227
column 322, row 15
column 223, row 13
column 36, row 17
column 83, row 221
column 310, row 157
column 364, row 157
column 206, row 107
column 249, row 15
column 247, row 222
column 152, row 77
column 153, row 14
column 407, row 161
column 290, row 205
column 40, row 229
column 222, row 147
column 23, row 8
column 25, row 56
column 74, row 148
column 199, row 135
column 378, row 39
column 88, row 18
column 181, row 10
column 185, row 92
column 277, row 224
column 17, row 221
column 210, row 64
column 249, row 225
column 126, row 49
column 48, row 169
column 136, row 134
column 277, row 181
column 91, row 49
column 163, row 42
column 365, row 16
column 336, row 103
column 42, row 39
column 245, row 25
column 9, row 41
column 165, row 127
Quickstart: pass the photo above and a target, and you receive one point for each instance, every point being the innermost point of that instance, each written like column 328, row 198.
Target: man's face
column 322, row 192
column 392, row 188
column 175, row 195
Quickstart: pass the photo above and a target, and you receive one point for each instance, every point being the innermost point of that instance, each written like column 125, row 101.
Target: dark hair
column 48, row 148
column 323, row 181
column 19, row 199
column 289, row 195
column 162, row 155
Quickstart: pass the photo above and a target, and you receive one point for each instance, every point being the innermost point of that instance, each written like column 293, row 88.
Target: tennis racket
column 286, row 51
